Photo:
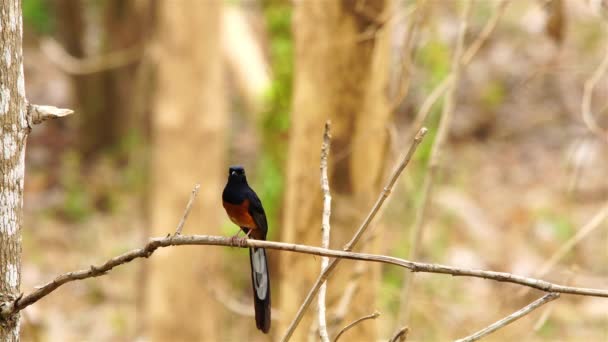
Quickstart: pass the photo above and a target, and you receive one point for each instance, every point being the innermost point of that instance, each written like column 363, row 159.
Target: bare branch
column 590, row 84
column 38, row 113
column 9, row 308
column 485, row 33
column 587, row 229
column 234, row 305
column 400, row 335
column 511, row 318
column 383, row 195
column 325, row 229
column 181, row 223
column 348, row 294
column 77, row 66
column 467, row 57
column 436, row 150
column 346, row 328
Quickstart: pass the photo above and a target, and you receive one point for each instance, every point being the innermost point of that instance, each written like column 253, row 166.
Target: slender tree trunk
column 341, row 74
column 104, row 98
column 188, row 135
column 13, row 132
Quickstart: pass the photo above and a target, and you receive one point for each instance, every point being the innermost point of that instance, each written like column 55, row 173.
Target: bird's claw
column 236, row 241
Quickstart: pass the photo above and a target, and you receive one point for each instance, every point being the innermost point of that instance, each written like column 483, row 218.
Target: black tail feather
column 260, row 281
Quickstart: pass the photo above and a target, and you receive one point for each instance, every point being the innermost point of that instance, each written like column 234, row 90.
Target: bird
column 244, row 208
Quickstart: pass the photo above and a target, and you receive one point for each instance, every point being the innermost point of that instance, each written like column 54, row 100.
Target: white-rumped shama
column 244, row 208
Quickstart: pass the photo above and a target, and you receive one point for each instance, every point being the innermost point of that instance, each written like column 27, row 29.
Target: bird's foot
column 236, row 241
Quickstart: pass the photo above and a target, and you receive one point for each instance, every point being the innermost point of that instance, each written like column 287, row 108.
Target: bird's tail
column 260, row 280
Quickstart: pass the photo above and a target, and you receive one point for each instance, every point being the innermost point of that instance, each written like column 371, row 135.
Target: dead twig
column 590, row 84
column 511, row 318
column 181, row 223
column 587, row 229
column 348, row 294
column 77, row 66
column 467, row 58
column 37, row 113
column 400, row 335
column 346, row 328
column 383, row 196
column 325, row 229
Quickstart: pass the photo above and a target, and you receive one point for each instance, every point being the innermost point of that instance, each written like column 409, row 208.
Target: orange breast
column 239, row 214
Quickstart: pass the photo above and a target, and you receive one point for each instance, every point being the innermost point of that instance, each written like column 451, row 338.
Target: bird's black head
column 237, row 174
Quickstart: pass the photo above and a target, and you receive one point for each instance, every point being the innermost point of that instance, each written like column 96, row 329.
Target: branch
column 511, row 318
column 468, row 56
column 436, row 150
column 83, row 66
column 346, row 328
column 37, row 113
column 400, row 335
column 590, row 84
column 210, row 240
column 348, row 293
column 349, row 246
column 181, row 223
column 587, row 229
column 325, row 229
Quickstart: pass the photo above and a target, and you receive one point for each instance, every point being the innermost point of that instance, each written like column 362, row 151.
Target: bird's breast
column 239, row 214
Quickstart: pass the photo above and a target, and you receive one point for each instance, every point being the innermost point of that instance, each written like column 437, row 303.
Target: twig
column 400, row 335
column 511, row 318
column 587, row 229
column 485, row 33
column 383, row 195
column 467, row 57
column 590, row 84
column 346, row 328
column 89, row 65
column 234, row 305
column 325, row 229
column 348, row 294
column 9, row 308
column 38, row 113
column 436, row 150
column 181, row 223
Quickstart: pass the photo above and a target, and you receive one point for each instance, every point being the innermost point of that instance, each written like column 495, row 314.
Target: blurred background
column 168, row 94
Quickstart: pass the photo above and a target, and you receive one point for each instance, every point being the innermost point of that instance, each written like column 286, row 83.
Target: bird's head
column 237, row 174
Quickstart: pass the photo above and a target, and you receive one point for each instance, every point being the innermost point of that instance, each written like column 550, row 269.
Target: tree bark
column 341, row 73
column 13, row 132
column 188, row 133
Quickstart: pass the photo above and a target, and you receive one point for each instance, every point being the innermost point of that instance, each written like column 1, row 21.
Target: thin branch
column 236, row 306
column 346, row 328
column 348, row 294
column 181, row 223
column 485, row 33
column 383, row 195
column 9, row 308
column 436, row 150
column 467, row 58
column 590, row 84
column 587, row 229
column 400, row 335
column 37, row 113
column 511, row 318
column 83, row 66
column 325, row 229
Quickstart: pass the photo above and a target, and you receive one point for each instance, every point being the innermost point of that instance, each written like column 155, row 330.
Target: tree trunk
column 104, row 99
column 341, row 74
column 13, row 132
column 188, row 133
